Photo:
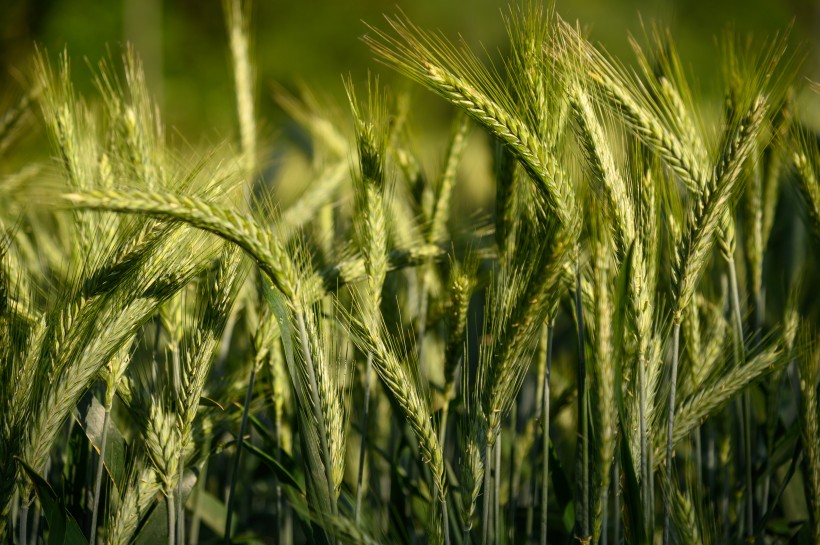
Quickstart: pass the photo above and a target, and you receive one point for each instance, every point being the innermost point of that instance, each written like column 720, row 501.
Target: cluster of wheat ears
column 619, row 349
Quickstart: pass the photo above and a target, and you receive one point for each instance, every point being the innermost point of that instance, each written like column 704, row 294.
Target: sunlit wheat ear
column 400, row 374
column 248, row 234
column 459, row 77
column 634, row 103
column 713, row 202
column 718, row 391
column 602, row 383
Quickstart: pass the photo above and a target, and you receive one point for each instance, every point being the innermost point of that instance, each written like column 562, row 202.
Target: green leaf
column 62, row 528
column 211, row 509
column 155, row 527
column 205, row 401
column 282, row 473
column 92, row 421
column 563, row 489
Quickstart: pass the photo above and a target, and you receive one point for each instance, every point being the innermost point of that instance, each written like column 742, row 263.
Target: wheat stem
column 22, row 522
column 237, row 456
column 171, row 510
column 545, row 432
column 95, row 504
column 670, row 426
column 582, row 486
column 365, row 424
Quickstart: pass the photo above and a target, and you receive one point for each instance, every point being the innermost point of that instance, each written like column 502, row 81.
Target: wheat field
column 620, row 348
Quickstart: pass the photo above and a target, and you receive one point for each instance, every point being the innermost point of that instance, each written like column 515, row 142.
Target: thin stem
column 169, row 501
column 582, row 487
column 669, row 450
column 363, row 449
column 485, row 527
column 95, row 504
column 545, row 434
column 514, row 464
column 497, row 492
column 445, row 515
column 239, row 442
column 35, row 523
column 746, row 428
column 646, row 493
column 616, row 485
column 697, row 440
column 196, row 515
column 23, row 522
column 180, row 503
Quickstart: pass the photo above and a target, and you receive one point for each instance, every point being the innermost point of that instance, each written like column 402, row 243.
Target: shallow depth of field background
column 183, row 45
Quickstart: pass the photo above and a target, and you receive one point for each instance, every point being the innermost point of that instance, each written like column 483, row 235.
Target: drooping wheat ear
column 709, row 399
column 402, row 381
column 809, row 366
column 634, row 104
column 459, row 78
column 226, row 223
column 597, row 148
column 712, row 205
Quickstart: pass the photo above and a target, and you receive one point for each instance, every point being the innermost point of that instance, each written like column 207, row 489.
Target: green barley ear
column 635, row 102
column 534, row 71
column 462, row 286
column 717, row 392
column 714, row 201
column 400, row 373
column 602, row 380
column 371, row 214
column 460, row 78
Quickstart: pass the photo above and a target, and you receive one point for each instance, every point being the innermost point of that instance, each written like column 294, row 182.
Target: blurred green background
column 183, row 42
